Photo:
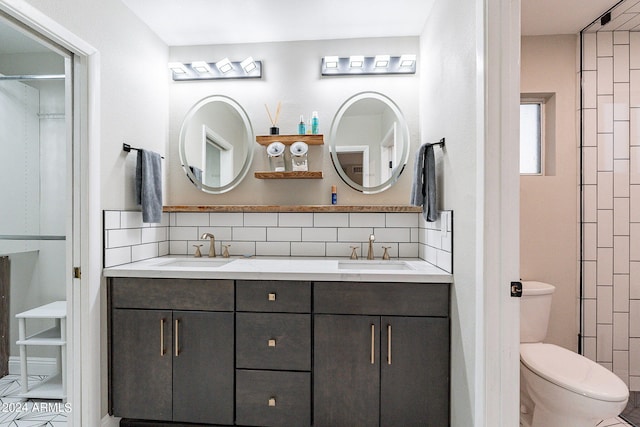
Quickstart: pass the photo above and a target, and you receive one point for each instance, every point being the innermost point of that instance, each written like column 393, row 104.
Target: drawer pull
column 271, row 343
column 272, row 401
column 373, row 344
column 162, row 349
column 389, row 344
column 272, row 296
column 177, row 343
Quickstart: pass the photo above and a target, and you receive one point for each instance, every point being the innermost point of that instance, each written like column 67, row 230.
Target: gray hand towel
column 149, row 185
column 423, row 189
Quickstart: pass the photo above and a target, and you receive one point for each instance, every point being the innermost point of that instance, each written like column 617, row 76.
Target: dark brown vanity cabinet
column 172, row 344
column 273, row 353
column 381, row 354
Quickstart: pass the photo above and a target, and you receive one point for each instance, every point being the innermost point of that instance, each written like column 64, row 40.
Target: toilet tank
column 535, row 308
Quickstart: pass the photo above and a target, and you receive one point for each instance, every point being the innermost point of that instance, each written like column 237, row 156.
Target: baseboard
column 109, row 421
column 35, row 365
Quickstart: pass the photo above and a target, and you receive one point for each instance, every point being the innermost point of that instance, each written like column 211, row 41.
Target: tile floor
column 19, row 412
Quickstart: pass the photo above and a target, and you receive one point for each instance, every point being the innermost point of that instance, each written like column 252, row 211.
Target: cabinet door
column 414, row 372
column 141, row 364
column 203, row 371
column 346, row 370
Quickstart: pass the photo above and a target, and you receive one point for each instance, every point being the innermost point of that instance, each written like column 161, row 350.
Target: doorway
column 37, row 229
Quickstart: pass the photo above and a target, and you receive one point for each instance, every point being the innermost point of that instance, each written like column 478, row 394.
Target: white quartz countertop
column 284, row 268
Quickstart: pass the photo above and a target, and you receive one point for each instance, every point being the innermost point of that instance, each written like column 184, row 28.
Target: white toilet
column 560, row 388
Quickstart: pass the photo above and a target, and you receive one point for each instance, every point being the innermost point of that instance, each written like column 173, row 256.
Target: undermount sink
column 196, row 263
column 373, row 265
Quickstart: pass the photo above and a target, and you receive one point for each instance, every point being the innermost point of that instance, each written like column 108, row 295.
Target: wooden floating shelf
column 290, row 139
column 293, row 208
column 289, row 175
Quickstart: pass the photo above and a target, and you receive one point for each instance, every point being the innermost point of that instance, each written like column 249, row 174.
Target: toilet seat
column 573, row 372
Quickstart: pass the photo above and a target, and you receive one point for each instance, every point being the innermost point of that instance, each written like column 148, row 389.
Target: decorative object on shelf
column 275, row 152
column 334, row 195
column 368, row 65
column 289, row 175
column 299, row 156
column 315, row 123
column 302, row 127
column 223, row 69
column 274, row 130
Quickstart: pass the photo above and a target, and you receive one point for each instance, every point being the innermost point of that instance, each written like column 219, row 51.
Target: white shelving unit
column 54, row 387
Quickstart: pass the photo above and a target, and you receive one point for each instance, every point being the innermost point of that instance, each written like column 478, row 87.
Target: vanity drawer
column 273, row 341
column 394, row 299
column 267, row 398
column 273, row 296
column 172, row 294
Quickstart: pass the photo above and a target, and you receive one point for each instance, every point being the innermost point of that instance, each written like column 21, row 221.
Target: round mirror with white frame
column 369, row 142
column 216, row 141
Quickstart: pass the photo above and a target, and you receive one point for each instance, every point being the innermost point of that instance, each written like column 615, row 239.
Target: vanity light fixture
column 368, row 65
column 223, row 69
column 382, row 61
column 407, row 60
column 356, row 61
column 177, row 68
column 201, row 67
column 224, row 65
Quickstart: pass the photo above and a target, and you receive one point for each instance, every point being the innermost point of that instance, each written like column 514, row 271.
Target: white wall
column 292, row 75
column 549, row 203
column 448, row 109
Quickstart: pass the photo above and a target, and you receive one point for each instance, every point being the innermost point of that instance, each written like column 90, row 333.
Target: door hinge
column 516, row 289
column 77, row 273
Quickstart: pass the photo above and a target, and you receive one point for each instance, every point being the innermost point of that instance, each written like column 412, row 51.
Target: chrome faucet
column 212, row 245
column 370, row 251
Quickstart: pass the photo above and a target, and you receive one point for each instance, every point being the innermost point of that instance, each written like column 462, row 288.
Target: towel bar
column 126, row 147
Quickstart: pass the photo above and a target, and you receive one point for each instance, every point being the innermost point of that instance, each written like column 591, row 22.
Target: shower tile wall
column 611, row 201
column 407, row 235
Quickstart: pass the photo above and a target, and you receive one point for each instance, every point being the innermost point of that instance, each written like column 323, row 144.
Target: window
column 531, row 136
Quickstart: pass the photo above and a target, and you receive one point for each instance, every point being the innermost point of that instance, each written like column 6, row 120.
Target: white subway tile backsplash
column 284, row 234
column 605, row 113
column 621, row 331
column 220, row 233
column 620, row 37
column 163, row 248
column 589, row 89
column 408, row 250
column 117, row 256
column 378, row 250
column 444, row 260
column 179, row 247
column 123, row 237
column 355, row 234
column 367, row 220
column 634, row 89
column 319, row 234
column 590, row 205
column 590, row 165
column 242, row 248
column 140, row 252
column 621, row 101
column 634, row 203
column 634, row 242
column 273, row 249
column 183, row 233
column 634, row 318
column 605, row 190
column 621, row 140
column 408, row 220
column 154, row 235
column 295, row 219
column 621, row 365
column 634, row 126
column 343, row 249
column 605, row 152
column 111, row 220
column 634, row 165
column 589, row 54
column 621, row 178
column 333, row 219
column 226, row 219
column 634, row 50
column 621, row 216
column 308, row 249
column 634, row 356
column 590, row 127
column 394, row 235
column 590, row 241
column 131, row 219
column 260, row 219
column 191, row 219
column 256, row 234
column 590, row 322
column 589, row 279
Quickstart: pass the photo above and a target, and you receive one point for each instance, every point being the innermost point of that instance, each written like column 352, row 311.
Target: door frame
column 83, row 313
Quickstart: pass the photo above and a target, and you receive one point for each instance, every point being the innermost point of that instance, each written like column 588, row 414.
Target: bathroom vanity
column 279, row 342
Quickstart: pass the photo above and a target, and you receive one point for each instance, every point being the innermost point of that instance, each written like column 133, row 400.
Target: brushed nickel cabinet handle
column 162, row 349
column 373, row 344
column 272, row 296
column 177, row 339
column 271, row 343
column 272, row 401
column 389, row 344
